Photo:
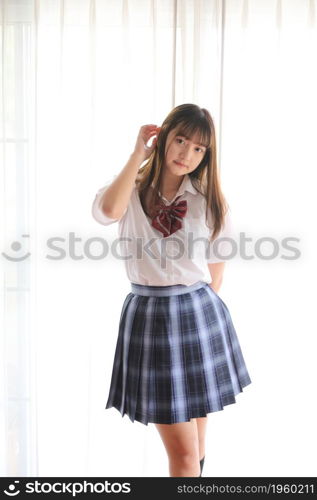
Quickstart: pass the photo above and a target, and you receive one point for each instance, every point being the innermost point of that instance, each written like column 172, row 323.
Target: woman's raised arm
column 116, row 197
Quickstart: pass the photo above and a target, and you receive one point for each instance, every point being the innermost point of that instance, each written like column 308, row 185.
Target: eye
column 179, row 139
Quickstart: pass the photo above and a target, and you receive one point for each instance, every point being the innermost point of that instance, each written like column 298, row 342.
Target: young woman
column 177, row 357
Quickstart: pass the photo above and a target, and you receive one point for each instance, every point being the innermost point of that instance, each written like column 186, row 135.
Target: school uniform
column 177, row 355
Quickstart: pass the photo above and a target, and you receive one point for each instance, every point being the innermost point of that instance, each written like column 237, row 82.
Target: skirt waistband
column 165, row 291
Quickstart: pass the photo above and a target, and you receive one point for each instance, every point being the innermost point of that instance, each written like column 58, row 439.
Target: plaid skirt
column 177, row 355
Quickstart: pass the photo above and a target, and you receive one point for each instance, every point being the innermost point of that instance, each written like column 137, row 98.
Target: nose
column 184, row 153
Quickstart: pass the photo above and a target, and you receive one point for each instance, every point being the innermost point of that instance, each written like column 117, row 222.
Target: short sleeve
column 222, row 248
column 97, row 212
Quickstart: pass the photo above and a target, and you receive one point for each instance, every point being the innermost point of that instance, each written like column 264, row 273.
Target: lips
column 180, row 164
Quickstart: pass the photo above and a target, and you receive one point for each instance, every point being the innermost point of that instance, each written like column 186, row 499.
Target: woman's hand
column 216, row 272
column 145, row 134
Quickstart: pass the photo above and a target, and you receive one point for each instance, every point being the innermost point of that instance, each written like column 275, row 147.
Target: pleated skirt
column 177, row 355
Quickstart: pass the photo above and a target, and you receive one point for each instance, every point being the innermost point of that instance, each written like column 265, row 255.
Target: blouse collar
column 186, row 185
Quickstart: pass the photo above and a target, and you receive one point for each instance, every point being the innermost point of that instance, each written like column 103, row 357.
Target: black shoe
column 202, row 465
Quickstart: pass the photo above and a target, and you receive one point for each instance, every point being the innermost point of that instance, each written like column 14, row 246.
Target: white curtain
column 78, row 79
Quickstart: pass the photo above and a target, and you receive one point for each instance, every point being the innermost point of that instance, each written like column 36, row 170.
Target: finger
column 154, row 132
column 148, row 138
column 151, row 125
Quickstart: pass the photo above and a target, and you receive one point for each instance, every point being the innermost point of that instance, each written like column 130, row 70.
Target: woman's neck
column 170, row 184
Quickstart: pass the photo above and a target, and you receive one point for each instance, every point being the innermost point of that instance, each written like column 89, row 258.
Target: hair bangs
column 191, row 128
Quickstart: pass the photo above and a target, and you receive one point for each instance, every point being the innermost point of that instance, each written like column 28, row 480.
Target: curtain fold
column 79, row 78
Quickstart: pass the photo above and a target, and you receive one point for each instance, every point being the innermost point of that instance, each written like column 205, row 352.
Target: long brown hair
column 186, row 120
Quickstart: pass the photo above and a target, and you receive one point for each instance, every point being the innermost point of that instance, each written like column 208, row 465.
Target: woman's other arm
column 216, row 272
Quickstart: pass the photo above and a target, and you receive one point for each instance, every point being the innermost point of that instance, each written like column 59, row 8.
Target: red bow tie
column 167, row 218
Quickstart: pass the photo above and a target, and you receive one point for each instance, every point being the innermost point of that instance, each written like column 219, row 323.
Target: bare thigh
column 202, row 429
column 180, row 440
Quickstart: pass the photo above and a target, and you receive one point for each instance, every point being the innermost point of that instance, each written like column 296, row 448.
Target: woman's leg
column 202, row 428
column 182, row 447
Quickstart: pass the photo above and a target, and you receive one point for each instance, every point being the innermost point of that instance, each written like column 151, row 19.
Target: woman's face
column 182, row 155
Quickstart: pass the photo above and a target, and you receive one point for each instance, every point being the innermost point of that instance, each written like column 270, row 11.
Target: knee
column 184, row 457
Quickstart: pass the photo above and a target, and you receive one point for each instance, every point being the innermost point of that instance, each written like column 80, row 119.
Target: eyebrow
column 199, row 144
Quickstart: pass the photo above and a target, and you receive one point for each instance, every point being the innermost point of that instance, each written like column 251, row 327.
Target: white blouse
column 181, row 257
